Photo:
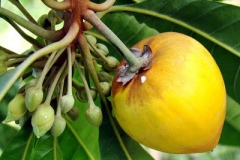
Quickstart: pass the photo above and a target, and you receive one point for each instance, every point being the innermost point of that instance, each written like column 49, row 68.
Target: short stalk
column 69, row 90
column 133, row 62
column 59, row 111
column 53, row 85
column 45, row 70
column 90, row 100
column 51, row 60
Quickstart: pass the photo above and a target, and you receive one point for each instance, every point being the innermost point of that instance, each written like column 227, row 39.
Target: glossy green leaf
column 109, row 144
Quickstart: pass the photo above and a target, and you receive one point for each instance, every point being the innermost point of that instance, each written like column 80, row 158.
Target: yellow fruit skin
column 181, row 105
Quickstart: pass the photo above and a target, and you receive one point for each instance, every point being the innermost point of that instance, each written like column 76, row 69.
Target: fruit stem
column 101, row 7
column 133, row 62
column 54, row 83
column 61, row 6
column 89, row 96
column 69, row 91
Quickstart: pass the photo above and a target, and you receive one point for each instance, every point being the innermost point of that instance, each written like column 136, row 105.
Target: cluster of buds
column 54, row 82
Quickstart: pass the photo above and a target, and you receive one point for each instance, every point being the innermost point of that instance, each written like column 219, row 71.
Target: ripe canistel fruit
column 179, row 104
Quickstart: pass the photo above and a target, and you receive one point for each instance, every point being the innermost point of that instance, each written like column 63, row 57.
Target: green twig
column 15, row 74
column 53, row 85
column 24, row 35
column 35, row 29
column 23, row 10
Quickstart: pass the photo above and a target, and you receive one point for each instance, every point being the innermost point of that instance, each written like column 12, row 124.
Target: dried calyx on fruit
column 144, row 57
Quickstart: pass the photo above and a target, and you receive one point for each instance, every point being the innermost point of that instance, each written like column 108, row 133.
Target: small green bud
column 58, row 127
column 102, row 49
column 73, row 114
column 42, row 119
column 33, row 98
column 106, row 88
column 31, row 83
column 94, row 115
column 112, row 63
column 16, row 108
column 91, row 39
column 66, row 103
column 81, row 94
column 3, row 67
column 104, row 77
column 3, row 56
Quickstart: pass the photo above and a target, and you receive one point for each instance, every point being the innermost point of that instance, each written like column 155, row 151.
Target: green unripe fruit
column 73, row 114
column 91, row 39
column 3, row 56
column 104, row 77
column 58, row 127
column 94, row 116
column 102, row 48
column 33, row 98
column 3, row 67
column 111, row 64
column 31, row 83
column 42, row 119
column 16, row 108
column 66, row 103
column 81, row 94
column 106, row 88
